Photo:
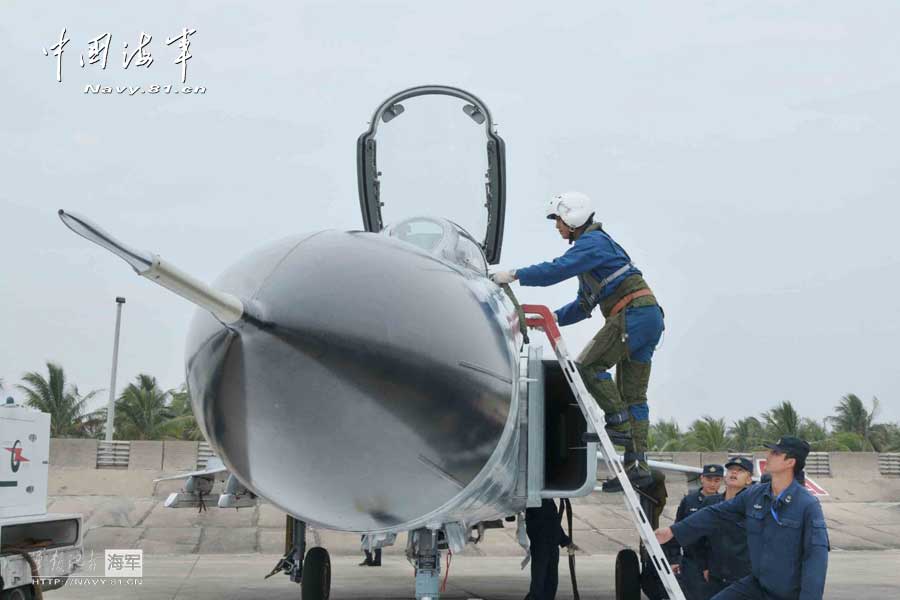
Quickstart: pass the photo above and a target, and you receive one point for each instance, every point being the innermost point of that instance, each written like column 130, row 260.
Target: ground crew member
column 373, row 559
column 546, row 537
column 689, row 567
column 729, row 557
column 786, row 532
column 634, row 323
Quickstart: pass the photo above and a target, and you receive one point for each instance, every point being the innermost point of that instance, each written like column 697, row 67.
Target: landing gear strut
column 312, row 569
column 427, row 558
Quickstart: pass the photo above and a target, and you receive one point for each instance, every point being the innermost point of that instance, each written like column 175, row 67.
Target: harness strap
column 594, row 286
column 617, row 273
column 565, row 506
column 523, row 327
column 625, row 301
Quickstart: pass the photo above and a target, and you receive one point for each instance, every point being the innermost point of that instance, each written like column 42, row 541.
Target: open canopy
column 431, row 162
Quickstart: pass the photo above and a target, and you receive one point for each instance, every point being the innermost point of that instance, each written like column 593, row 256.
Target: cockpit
column 441, row 238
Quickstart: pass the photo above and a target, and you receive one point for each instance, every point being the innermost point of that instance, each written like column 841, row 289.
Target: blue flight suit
column 729, row 556
column 786, row 536
column 695, row 556
column 545, row 536
column 593, row 251
column 596, row 252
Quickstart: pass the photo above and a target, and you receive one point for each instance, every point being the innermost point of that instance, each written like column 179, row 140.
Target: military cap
column 792, row 446
column 740, row 461
column 713, row 471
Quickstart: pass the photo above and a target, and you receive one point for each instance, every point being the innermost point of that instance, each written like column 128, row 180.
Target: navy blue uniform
column 696, row 554
column 729, row 556
column 545, row 535
column 786, row 536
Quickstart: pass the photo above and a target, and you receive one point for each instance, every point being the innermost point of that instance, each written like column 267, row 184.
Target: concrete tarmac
column 857, row 575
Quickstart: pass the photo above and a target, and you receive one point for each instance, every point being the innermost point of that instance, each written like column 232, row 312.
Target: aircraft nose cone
column 376, row 388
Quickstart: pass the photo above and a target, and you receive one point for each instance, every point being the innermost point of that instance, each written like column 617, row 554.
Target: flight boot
column 606, row 395
column 637, row 470
column 632, row 379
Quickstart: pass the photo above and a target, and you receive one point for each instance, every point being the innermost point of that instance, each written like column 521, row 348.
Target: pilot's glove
column 503, row 277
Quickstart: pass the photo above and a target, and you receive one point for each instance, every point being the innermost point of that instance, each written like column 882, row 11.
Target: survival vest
column 591, row 287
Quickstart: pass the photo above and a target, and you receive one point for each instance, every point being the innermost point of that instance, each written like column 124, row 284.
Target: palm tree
column 184, row 424
column 142, row 411
column 709, row 435
column 815, row 433
column 885, row 437
column 62, row 401
column 781, row 421
column 746, row 434
column 94, row 424
column 666, row 436
column 853, row 417
column 847, row 441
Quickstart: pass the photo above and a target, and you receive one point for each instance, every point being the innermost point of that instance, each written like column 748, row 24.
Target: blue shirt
column 594, row 251
column 699, row 550
column 729, row 557
column 786, row 536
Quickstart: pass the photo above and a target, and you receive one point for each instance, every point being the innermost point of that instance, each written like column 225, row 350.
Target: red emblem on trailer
column 16, row 458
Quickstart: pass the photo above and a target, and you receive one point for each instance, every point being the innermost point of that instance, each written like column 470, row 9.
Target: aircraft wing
column 688, row 471
column 214, row 469
column 691, row 474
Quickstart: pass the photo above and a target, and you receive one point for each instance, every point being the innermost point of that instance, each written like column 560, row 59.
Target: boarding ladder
column 539, row 316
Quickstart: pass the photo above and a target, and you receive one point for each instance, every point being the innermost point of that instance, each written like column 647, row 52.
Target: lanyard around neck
column 777, row 501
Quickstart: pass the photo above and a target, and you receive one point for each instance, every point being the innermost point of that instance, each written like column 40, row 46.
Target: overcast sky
column 745, row 153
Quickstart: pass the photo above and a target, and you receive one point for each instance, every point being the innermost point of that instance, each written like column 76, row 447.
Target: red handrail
column 546, row 320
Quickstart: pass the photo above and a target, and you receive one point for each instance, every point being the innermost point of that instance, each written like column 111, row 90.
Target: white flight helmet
column 574, row 208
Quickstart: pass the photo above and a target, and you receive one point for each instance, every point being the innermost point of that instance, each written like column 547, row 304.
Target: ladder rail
column 596, row 424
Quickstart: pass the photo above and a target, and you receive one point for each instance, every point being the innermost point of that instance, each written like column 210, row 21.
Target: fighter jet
column 376, row 381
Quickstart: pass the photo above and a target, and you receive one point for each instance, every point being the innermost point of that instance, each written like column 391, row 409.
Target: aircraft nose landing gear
column 311, row 569
column 423, row 550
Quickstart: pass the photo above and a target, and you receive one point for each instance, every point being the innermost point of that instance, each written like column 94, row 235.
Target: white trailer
column 31, row 539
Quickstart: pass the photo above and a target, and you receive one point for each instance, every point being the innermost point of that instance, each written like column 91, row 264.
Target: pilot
column 692, row 563
column 729, row 557
column 786, row 533
column 634, row 323
column 546, row 537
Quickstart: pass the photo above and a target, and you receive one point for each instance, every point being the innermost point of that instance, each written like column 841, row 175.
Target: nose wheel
column 316, row 582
